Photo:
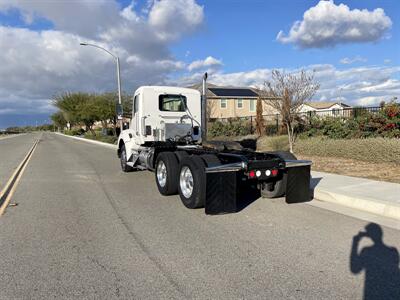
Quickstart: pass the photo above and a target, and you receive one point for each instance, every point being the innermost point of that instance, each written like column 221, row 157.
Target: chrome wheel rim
column 186, row 182
column 161, row 173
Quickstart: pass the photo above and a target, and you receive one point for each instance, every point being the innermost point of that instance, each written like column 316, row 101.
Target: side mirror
column 119, row 110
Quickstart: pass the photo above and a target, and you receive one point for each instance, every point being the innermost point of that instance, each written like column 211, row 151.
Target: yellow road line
column 15, row 178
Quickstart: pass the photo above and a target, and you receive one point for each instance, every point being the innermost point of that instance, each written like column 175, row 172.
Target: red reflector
column 274, row 172
column 252, row 174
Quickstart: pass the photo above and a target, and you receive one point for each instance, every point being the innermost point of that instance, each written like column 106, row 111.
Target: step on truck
column 167, row 135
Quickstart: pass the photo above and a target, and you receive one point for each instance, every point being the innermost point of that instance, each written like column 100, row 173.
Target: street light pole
column 118, row 76
column 119, row 86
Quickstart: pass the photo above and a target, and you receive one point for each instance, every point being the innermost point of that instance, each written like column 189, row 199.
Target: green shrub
column 74, row 131
column 102, row 138
column 364, row 124
column 235, row 127
column 271, row 130
column 273, row 143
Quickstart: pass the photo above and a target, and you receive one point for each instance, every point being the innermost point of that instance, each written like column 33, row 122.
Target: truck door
column 135, row 115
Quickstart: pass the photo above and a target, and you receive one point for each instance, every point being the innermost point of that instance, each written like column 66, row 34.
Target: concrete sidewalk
column 377, row 197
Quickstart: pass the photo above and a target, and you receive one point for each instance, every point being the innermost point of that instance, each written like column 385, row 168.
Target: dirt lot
column 350, row 167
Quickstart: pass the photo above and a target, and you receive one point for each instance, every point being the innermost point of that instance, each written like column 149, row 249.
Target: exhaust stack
column 204, row 110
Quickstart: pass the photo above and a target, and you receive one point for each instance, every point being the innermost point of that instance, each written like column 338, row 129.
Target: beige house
column 334, row 109
column 232, row 102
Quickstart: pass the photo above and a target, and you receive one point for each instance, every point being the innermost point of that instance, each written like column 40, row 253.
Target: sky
column 352, row 46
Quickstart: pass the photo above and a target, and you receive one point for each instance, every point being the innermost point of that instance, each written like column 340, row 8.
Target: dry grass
column 370, row 150
column 374, row 158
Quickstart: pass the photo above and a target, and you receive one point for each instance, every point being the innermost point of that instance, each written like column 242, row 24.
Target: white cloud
column 79, row 17
column 209, row 62
column 129, row 13
column 328, row 24
column 348, row 61
column 354, row 86
column 38, row 64
column 369, row 101
column 171, row 18
column 387, row 61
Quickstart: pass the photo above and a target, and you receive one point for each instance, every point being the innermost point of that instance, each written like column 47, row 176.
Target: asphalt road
column 12, row 150
column 84, row 229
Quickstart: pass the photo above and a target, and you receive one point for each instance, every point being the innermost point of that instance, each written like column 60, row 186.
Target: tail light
column 274, row 172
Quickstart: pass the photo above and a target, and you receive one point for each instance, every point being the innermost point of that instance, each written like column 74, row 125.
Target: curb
column 375, row 206
column 107, row 145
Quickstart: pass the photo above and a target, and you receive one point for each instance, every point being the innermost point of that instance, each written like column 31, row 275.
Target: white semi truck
column 167, row 135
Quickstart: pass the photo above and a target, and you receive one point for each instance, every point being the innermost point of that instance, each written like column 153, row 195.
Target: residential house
column 320, row 108
column 232, row 102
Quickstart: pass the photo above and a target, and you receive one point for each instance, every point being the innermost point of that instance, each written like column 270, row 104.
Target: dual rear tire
column 166, row 171
column 185, row 176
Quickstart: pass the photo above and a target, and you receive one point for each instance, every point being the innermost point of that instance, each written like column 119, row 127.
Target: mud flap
column 221, row 193
column 298, row 184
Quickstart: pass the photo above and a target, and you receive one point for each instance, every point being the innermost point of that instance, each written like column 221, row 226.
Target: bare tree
column 259, row 117
column 293, row 89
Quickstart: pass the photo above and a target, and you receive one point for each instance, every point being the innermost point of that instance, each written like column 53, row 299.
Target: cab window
column 172, row 103
column 135, row 104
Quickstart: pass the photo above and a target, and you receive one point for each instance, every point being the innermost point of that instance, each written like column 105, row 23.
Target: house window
column 335, row 112
column 223, row 103
column 239, row 103
column 252, row 105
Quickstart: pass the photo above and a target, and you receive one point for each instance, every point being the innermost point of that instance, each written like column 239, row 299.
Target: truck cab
column 162, row 114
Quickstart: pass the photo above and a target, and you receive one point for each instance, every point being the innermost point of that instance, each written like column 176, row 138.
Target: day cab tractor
column 167, row 135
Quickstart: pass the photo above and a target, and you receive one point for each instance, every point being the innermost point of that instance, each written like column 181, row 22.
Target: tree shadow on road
column 379, row 262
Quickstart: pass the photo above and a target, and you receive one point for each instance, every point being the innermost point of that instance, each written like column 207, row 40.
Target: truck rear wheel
column 279, row 188
column 192, row 182
column 124, row 160
column 166, row 173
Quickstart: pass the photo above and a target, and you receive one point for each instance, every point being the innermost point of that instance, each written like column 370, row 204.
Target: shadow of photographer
column 380, row 263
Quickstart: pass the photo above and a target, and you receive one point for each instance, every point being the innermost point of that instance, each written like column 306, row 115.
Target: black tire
column 171, row 164
column 124, row 160
column 181, row 154
column 279, row 189
column 196, row 166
